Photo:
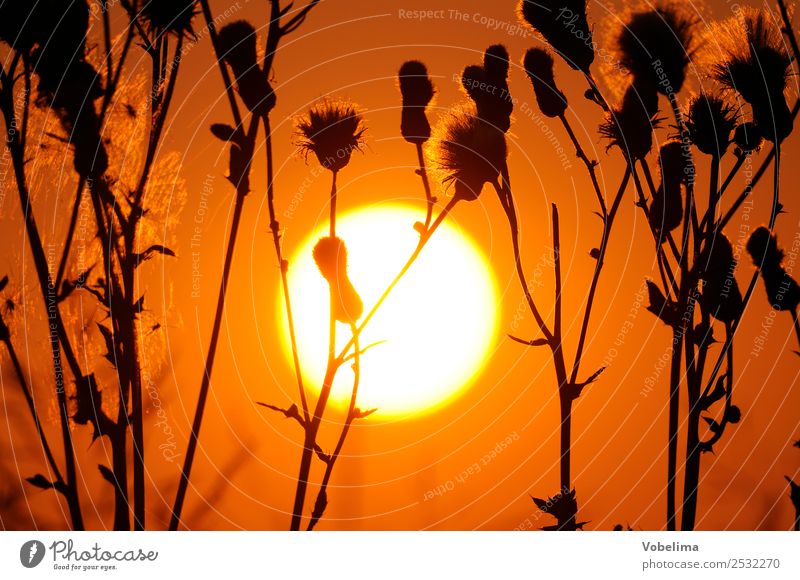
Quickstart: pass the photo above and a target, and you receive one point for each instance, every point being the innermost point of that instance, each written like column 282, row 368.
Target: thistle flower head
column 783, row 291
column 710, row 120
column 487, row 86
column 169, row 15
column 237, row 45
column 763, row 248
column 657, row 44
column 539, row 65
column 331, row 130
column 417, row 91
column 755, row 64
column 748, row 137
column 565, row 26
column 630, row 125
column 469, row 152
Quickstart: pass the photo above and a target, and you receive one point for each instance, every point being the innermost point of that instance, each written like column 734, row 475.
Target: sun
column 438, row 326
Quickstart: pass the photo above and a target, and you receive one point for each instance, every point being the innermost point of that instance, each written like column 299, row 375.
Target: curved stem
column 607, row 225
column 274, row 227
column 590, row 165
column 322, row 497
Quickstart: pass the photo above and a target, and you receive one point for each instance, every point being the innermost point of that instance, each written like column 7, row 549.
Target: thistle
column 710, row 120
column 487, row 86
column 173, row 16
column 237, row 45
column 782, row 290
column 630, row 126
column 331, row 130
column 757, row 66
column 330, row 255
column 539, row 67
column 565, row 26
column 666, row 210
column 417, row 91
column 721, row 297
column 748, row 138
column 657, row 45
column 469, row 152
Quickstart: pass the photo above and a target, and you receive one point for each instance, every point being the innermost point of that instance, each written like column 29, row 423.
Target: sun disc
column 438, row 324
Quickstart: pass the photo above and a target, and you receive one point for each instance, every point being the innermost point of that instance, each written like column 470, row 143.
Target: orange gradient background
column 390, row 470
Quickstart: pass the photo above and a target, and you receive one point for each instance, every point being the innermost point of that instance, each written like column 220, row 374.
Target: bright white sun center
column 438, row 324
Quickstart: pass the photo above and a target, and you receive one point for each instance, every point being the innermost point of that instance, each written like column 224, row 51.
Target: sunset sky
column 473, row 462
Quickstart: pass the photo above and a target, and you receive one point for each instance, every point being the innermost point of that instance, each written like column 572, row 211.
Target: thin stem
column 322, row 496
column 796, row 324
column 587, row 312
column 241, row 194
column 26, row 391
column 226, row 77
column 333, row 205
column 504, row 192
column 312, row 427
column 423, row 174
column 590, row 165
column 756, row 178
column 275, row 228
column 73, row 220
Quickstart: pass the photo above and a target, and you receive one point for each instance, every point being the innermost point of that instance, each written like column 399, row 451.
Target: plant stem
column 423, row 174
column 312, row 428
column 275, row 228
column 590, row 165
column 322, row 496
column 608, row 223
column 28, row 394
column 242, row 189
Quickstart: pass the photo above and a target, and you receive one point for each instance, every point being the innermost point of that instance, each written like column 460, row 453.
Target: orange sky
column 243, row 476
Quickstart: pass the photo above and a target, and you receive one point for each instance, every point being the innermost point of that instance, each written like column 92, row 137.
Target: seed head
column 469, row 152
column 656, row 44
column 169, row 15
column 783, row 291
column 710, row 120
column 487, row 86
column 331, row 130
column 539, row 66
column 630, row 126
column 237, row 44
column 417, row 91
column 755, row 63
column 747, row 137
column 565, row 26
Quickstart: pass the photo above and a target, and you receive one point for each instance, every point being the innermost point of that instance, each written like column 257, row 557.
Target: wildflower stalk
column 62, row 344
column 423, row 174
column 312, row 428
column 275, row 229
column 322, row 496
column 59, row 484
column 242, row 189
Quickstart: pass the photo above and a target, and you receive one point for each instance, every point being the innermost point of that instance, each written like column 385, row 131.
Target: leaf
column 89, row 409
column 107, row 474
column 361, row 414
column 40, row 481
column 108, row 337
column 137, row 306
column 3, row 283
column 154, row 249
column 534, row 342
column 224, row 132
column 659, row 305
